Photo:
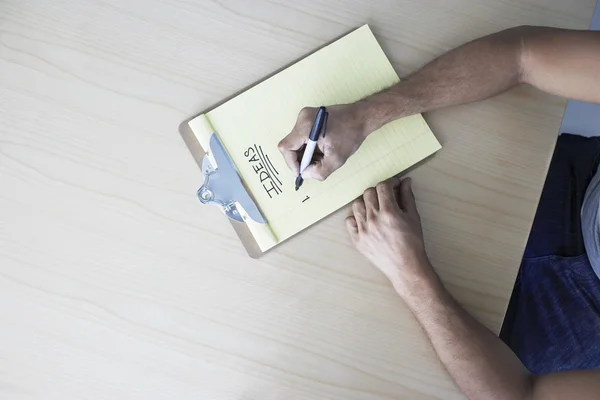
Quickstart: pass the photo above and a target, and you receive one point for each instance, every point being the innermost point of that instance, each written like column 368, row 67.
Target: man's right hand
column 346, row 130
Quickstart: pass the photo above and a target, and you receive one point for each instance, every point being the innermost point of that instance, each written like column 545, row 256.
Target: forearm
column 474, row 71
column 478, row 361
column 559, row 61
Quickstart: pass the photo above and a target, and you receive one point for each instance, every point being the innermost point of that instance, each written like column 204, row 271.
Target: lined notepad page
column 251, row 125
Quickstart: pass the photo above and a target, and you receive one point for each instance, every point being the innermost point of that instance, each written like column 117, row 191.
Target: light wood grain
column 116, row 283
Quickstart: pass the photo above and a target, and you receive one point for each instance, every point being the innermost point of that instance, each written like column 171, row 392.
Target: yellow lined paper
column 252, row 124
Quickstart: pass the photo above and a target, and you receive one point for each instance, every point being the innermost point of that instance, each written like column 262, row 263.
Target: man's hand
column 385, row 227
column 346, row 130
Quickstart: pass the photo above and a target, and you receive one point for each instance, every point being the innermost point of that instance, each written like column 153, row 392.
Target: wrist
column 416, row 280
column 363, row 119
column 382, row 108
column 369, row 115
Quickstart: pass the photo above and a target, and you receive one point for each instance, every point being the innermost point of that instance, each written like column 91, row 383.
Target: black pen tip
column 299, row 181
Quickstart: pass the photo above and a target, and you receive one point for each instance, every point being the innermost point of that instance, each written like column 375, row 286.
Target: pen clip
column 324, row 128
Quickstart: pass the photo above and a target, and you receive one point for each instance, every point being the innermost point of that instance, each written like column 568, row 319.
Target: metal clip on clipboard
column 223, row 187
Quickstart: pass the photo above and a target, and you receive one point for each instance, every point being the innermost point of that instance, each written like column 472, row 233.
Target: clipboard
column 231, row 190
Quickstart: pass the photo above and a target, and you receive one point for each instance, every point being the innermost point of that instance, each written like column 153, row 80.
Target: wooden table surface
column 115, row 283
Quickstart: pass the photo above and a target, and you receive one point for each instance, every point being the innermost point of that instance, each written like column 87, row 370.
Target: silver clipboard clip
column 223, row 187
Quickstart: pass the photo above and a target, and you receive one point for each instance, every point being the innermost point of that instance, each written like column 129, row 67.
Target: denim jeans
column 553, row 318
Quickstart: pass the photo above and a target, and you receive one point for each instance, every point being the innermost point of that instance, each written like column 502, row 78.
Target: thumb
column 407, row 199
column 320, row 170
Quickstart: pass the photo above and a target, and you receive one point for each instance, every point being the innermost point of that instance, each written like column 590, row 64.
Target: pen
column 318, row 126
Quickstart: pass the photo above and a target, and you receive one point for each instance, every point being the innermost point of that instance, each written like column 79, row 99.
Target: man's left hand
column 385, row 226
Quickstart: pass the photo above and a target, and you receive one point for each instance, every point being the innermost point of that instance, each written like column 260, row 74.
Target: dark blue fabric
column 553, row 318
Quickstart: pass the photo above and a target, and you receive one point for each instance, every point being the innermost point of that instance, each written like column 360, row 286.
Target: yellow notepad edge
column 262, row 233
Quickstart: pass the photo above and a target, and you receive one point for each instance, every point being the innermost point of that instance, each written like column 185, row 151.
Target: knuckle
column 326, row 170
column 319, row 175
column 304, row 113
column 382, row 186
column 337, row 160
column 373, row 225
column 387, row 215
column 370, row 192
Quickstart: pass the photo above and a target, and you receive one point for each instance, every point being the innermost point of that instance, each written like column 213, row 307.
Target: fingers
column 367, row 207
column 371, row 202
column 293, row 142
column 289, row 147
column 359, row 212
column 363, row 208
column 386, row 196
column 407, row 197
column 321, row 169
column 352, row 227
